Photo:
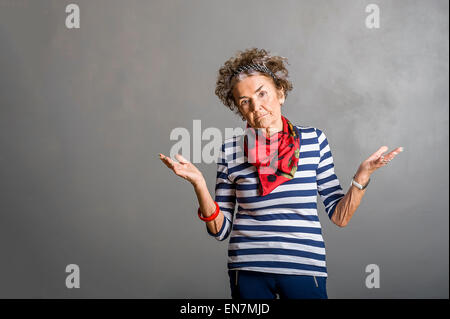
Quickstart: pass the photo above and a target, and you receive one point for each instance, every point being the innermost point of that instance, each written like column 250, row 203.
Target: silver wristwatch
column 359, row 185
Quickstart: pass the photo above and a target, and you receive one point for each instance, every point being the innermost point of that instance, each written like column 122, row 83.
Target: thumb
column 181, row 159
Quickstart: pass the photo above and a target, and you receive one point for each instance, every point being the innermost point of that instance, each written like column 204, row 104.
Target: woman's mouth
column 261, row 116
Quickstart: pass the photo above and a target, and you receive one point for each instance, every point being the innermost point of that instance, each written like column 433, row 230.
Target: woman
column 276, row 245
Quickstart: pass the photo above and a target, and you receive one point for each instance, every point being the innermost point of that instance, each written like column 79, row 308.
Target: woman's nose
column 254, row 105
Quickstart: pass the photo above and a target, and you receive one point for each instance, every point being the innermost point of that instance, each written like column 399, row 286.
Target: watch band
column 359, row 186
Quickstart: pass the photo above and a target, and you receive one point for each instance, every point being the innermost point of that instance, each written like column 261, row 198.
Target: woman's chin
column 263, row 122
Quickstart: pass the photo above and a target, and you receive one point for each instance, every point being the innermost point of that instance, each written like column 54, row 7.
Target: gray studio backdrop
column 84, row 113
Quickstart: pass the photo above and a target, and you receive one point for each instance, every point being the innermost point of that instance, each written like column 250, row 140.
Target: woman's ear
column 281, row 96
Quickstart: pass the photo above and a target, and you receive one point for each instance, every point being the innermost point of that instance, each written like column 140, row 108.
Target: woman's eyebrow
column 241, row 97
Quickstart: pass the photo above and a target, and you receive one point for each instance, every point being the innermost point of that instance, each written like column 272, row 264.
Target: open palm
column 378, row 159
column 183, row 168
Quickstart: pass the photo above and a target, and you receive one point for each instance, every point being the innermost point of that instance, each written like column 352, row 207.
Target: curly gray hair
column 236, row 69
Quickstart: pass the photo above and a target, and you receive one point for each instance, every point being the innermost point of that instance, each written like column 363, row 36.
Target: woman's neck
column 275, row 128
column 272, row 128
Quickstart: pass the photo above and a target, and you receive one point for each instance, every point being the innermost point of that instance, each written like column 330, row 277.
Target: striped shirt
column 279, row 232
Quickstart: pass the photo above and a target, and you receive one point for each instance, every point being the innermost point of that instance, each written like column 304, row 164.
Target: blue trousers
column 260, row 285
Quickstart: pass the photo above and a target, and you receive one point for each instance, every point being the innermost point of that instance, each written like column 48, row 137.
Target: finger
column 163, row 158
column 393, row 154
column 168, row 161
column 397, row 151
column 376, row 156
column 181, row 159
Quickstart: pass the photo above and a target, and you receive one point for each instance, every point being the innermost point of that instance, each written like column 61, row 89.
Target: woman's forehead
column 252, row 83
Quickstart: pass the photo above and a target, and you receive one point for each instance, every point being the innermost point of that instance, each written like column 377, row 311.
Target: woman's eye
column 244, row 102
column 262, row 93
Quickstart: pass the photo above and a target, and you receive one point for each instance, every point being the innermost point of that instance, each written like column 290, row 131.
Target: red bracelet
column 212, row 217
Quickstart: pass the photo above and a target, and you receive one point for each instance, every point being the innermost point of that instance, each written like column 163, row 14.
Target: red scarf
column 273, row 172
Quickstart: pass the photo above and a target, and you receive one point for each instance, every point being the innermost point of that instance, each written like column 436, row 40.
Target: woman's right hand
column 184, row 169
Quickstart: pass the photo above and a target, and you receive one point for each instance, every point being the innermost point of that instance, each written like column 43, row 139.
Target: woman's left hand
column 378, row 159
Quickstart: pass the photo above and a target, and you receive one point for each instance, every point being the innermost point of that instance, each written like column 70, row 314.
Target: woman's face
column 259, row 101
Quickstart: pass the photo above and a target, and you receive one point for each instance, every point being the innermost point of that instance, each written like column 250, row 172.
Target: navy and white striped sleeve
column 225, row 196
column 328, row 185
